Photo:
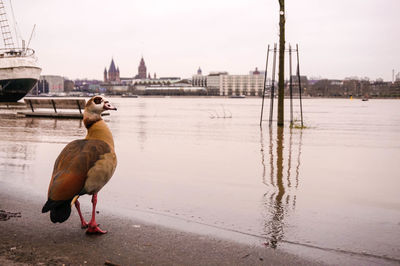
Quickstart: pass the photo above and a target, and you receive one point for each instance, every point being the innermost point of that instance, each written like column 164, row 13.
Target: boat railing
column 16, row 52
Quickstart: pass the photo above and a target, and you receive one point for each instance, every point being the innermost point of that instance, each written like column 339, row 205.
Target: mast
column 5, row 28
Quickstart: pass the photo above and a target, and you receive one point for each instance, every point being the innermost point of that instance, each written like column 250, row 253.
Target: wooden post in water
column 265, row 82
column 271, row 106
column 281, row 81
column 298, row 77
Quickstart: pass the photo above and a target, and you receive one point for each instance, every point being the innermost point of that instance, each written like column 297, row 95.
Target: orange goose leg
column 93, row 227
column 84, row 224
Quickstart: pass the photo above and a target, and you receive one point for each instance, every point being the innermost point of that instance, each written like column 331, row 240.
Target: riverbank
column 33, row 239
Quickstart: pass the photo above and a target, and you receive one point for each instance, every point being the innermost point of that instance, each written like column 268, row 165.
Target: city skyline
column 337, row 39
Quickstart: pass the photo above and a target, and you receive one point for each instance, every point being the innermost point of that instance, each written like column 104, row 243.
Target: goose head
column 98, row 104
column 93, row 109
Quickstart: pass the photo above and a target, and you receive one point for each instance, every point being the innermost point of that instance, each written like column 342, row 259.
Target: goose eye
column 97, row 100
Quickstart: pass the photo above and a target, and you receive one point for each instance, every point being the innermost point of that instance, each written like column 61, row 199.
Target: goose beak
column 109, row 106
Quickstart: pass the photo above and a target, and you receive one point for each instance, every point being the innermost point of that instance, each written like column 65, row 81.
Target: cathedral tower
column 142, row 70
column 113, row 73
column 105, row 75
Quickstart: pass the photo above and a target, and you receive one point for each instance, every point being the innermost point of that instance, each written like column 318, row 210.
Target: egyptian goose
column 83, row 167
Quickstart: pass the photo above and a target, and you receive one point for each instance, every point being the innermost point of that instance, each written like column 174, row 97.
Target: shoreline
column 33, row 239
column 213, row 96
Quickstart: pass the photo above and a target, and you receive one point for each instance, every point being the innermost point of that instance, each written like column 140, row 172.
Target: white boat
column 19, row 71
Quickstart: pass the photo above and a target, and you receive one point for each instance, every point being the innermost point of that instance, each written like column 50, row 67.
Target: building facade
column 248, row 85
column 50, row 84
column 199, row 80
column 223, row 84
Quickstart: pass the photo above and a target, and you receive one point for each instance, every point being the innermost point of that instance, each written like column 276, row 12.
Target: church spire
column 113, row 72
column 112, row 68
column 142, row 70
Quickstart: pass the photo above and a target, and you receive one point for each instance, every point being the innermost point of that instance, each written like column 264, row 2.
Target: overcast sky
column 337, row 38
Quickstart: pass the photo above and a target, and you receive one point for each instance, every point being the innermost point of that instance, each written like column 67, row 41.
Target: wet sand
column 33, row 239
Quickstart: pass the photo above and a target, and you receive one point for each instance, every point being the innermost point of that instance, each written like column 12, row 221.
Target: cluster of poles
column 272, row 91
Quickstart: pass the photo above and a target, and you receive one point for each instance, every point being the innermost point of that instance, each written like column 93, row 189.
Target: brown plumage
column 83, row 167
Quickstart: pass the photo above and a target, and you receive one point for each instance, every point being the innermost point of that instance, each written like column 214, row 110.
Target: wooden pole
column 281, row 81
column 298, row 77
column 271, row 106
column 265, row 82
column 291, row 85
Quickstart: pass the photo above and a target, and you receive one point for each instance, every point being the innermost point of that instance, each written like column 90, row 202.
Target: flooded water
column 333, row 186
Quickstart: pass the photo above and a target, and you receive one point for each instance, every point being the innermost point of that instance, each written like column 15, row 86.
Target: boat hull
column 12, row 90
column 17, row 77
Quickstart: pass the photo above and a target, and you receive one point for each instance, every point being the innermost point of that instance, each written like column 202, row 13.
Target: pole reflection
column 264, row 167
column 142, row 123
column 271, row 156
column 280, row 197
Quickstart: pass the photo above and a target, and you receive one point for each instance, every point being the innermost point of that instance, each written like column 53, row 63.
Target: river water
column 205, row 165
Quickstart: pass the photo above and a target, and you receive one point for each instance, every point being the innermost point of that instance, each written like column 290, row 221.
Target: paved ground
column 33, row 239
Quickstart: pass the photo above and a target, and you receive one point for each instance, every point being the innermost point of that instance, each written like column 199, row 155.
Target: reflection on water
column 142, row 123
column 281, row 196
column 52, row 124
column 20, row 139
column 16, row 157
column 39, row 129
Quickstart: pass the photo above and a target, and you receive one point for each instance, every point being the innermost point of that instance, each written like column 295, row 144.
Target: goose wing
column 72, row 166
